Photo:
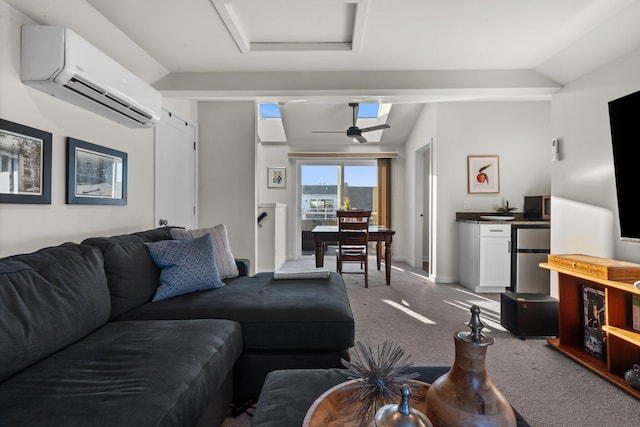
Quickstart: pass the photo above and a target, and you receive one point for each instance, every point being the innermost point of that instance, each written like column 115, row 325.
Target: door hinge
column 194, row 145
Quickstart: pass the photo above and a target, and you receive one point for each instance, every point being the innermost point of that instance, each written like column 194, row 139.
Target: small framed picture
column 96, row 175
column 25, row 164
column 483, row 174
column 276, row 177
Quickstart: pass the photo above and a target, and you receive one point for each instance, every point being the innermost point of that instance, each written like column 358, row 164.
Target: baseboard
column 444, row 279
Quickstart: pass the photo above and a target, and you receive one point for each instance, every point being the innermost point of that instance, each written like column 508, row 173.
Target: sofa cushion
column 306, row 314
column 131, row 273
column 126, row 374
column 185, row 266
column 48, row 300
column 224, row 257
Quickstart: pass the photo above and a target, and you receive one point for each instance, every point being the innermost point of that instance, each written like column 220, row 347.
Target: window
column 368, row 111
column 270, row 126
column 324, row 187
column 269, row 111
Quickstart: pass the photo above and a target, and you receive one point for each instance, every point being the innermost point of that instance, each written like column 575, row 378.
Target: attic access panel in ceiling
column 306, row 25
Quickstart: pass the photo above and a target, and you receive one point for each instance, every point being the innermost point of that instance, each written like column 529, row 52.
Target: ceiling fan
column 354, row 131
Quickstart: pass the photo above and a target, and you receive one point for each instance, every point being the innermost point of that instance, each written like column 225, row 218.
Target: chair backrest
column 353, row 227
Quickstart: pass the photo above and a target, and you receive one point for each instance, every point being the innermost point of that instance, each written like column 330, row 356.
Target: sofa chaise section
column 304, row 323
column 286, row 324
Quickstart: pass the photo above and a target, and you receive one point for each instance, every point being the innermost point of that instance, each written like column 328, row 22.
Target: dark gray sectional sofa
column 82, row 344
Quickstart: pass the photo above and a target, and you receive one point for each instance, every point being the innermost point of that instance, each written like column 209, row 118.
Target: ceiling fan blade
column 377, row 127
column 327, row 131
column 361, row 139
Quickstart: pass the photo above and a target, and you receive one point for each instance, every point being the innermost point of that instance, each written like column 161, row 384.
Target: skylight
column 270, row 111
column 270, row 126
column 368, row 111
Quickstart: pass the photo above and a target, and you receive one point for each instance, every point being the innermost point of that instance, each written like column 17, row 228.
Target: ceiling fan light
column 354, row 131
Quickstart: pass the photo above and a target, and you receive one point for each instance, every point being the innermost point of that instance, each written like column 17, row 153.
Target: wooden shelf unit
column 622, row 341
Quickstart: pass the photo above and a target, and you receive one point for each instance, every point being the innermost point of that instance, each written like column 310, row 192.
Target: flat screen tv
column 624, row 118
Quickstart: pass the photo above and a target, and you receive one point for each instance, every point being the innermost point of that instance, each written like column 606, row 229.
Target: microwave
column 537, row 207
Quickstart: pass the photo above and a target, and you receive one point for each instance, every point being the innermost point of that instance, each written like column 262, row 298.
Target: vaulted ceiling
column 315, row 56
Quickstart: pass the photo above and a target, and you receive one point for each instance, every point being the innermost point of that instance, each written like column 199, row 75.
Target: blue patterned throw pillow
column 185, row 266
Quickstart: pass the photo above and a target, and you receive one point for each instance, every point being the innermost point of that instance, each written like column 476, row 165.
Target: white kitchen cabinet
column 484, row 256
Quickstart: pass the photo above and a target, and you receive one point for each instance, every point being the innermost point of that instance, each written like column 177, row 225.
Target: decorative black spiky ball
column 379, row 375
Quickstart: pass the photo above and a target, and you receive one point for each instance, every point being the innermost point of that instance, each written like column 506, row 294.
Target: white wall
column 518, row 132
column 227, row 173
column 25, row 228
column 274, row 156
column 422, row 134
column 585, row 174
column 183, row 108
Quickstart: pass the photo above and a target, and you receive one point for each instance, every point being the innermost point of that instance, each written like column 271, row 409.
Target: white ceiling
column 332, row 52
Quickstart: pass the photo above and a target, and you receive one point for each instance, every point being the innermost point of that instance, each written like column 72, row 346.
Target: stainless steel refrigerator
column 530, row 247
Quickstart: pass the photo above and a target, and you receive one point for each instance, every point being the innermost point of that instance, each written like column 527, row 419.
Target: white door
column 176, row 172
column 423, row 207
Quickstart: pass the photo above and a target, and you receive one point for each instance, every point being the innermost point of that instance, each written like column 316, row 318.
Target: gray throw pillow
column 185, row 266
column 225, row 260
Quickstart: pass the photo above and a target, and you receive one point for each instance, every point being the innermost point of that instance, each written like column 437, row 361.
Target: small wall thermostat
column 555, row 150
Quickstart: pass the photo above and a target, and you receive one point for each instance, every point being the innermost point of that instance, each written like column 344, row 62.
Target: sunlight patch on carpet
column 410, row 312
column 482, row 302
column 413, row 273
column 484, row 316
column 422, row 276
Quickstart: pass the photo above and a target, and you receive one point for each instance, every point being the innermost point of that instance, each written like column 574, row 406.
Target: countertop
column 512, row 222
column 474, row 217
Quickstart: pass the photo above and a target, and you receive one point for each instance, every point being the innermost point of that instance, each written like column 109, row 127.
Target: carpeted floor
column 546, row 387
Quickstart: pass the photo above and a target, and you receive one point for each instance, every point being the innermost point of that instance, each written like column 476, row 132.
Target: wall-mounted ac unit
column 59, row 62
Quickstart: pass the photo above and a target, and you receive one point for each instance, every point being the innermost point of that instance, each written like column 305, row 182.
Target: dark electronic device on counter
column 537, row 207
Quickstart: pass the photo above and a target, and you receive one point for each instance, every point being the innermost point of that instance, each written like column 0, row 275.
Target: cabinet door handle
column 509, row 246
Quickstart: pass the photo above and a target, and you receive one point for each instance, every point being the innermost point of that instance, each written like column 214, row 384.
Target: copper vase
column 465, row 395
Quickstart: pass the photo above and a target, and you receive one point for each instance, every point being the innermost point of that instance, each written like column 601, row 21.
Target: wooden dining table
column 377, row 233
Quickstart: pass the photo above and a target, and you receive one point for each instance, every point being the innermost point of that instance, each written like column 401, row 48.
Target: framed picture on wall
column 276, row 177
column 483, row 174
column 25, row 164
column 96, row 175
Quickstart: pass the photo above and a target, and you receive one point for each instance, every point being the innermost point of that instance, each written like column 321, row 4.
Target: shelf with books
column 596, row 319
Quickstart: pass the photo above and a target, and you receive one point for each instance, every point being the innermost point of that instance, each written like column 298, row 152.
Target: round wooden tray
column 327, row 410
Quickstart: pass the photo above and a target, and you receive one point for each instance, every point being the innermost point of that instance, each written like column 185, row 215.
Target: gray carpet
column 546, row 387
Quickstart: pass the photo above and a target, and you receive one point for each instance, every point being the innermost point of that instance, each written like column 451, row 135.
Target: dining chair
column 353, row 241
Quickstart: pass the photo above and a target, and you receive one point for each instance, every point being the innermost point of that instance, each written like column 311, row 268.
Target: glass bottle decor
column 465, row 396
